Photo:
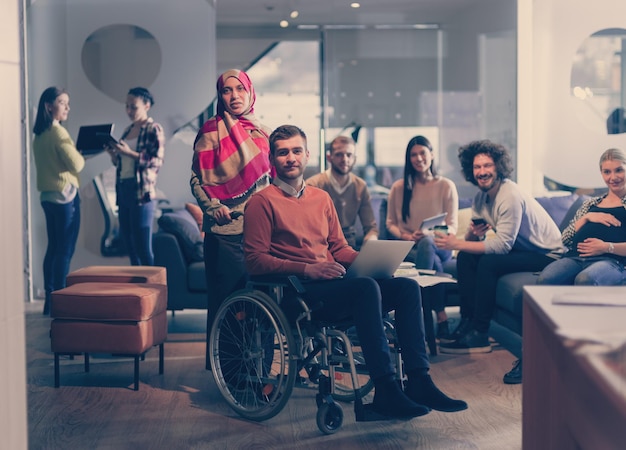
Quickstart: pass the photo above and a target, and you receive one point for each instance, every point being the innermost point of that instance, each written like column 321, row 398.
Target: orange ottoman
column 101, row 317
column 118, row 274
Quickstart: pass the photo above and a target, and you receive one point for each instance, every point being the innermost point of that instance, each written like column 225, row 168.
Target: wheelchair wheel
column 251, row 349
column 344, row 388
column 329, row 418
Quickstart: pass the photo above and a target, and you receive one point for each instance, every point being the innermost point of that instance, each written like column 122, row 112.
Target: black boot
column 390, row 401
column 421, row 389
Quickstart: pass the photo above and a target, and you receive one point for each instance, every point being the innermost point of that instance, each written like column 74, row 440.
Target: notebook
column 90, row 138
column 379, row 259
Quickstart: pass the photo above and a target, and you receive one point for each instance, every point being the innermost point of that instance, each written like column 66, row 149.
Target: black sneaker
column 461, row 330
column 473, row 342
column 514, row 376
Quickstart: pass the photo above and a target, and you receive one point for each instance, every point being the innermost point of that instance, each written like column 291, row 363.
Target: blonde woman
column 58, row 163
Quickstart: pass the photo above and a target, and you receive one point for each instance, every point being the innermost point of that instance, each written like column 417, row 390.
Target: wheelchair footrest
column 366, row 413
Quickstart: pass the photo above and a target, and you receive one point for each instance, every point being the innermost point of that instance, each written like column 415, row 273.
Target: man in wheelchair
column 293, row 229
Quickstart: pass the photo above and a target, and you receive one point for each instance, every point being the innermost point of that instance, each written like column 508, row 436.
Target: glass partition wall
column 384, row 85
column 387, row 81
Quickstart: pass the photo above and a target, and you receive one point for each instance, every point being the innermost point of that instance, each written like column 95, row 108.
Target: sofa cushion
column 182, row 225
column 118, row 274
column 510, row 289
column 562, row 208
column 196, row 213
column 571, row 213
column 105, row 301
column 196, row 277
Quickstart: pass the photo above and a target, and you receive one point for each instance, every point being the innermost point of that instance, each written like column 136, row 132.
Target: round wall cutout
column 598, row 81
column 116, row 58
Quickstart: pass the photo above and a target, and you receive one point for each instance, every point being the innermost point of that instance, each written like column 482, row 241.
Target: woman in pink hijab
column 230, row 163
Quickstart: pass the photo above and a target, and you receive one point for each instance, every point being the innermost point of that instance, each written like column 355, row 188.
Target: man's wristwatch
column 611, row 247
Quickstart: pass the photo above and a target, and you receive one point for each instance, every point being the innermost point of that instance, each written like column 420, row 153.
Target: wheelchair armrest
column 280, row 280
column 296, row 284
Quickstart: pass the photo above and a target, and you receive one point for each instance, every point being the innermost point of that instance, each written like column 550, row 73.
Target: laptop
column 90, row 138
column 379, row 259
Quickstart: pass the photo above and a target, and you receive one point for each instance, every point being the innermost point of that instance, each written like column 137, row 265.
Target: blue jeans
column 135, row 224
column 583, row 271
column 363, row 300
column 426, row 255
column 62, row 225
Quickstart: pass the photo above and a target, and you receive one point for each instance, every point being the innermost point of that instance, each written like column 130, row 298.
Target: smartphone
column 235, row 214
column 479, row 221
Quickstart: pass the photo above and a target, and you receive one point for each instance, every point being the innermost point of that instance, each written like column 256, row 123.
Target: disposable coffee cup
column 443, row 229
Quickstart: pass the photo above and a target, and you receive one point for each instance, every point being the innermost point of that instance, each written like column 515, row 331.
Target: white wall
column 185, row 31
column 563, row 147
column 13, row 417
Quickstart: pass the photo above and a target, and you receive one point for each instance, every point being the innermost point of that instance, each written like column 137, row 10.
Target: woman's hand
column 415, row 236
column 604, row 218
column 112, row 153
column 122, row 148
column 592, row 247
column 324, row 270
column 223, row 215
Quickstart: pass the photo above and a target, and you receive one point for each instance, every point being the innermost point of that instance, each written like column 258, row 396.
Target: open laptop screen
column 89, row 141
column 379, row 259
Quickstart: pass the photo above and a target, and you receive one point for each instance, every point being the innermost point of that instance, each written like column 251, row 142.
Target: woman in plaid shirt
column 138, row 156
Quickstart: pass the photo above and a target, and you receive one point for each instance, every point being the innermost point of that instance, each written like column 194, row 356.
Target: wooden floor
column 183, row 409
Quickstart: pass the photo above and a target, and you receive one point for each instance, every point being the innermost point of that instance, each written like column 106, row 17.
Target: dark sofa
column 177, row 246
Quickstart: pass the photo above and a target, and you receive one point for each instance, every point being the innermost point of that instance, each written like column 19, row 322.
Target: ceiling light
column 415, row 26
column 355, row 5
column 294, row 14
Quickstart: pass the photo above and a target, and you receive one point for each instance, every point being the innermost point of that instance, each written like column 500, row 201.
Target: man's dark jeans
column 363, row 300
column 478, row 274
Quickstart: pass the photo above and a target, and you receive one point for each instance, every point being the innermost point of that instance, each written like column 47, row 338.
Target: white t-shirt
column 128, row 163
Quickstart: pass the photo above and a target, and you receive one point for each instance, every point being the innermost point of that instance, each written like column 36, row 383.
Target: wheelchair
column 263, row 343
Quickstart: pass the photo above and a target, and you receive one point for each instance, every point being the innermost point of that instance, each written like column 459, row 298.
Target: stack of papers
column 423, row 279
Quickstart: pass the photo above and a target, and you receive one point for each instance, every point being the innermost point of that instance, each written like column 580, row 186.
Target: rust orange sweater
column 282, row 234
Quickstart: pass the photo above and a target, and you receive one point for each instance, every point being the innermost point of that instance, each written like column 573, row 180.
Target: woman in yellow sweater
column 58, row 164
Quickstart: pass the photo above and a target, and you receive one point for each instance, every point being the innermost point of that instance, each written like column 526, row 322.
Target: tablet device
column 439, row 219
column 88, row 142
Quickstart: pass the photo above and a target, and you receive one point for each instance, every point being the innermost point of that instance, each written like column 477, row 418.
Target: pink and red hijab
column 231, row 153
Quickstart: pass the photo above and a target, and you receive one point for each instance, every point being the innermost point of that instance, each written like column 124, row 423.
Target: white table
column 574, row 393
